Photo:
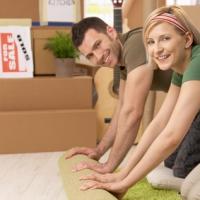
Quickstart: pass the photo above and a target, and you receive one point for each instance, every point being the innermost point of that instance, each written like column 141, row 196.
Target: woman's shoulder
column 193, row 70
column 196, row 51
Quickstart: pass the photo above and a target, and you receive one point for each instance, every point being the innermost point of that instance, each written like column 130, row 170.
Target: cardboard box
column 40, row 131
column 16, row 22
column 44, row 61
column 43, row 93
column 20, row 9
column 60, row 11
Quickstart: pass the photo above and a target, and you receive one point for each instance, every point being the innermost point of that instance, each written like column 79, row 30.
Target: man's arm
column 109, row 137
column 136, row 90
column 128, row 118
column 106, row 142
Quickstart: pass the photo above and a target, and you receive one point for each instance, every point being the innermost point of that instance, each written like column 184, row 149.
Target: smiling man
column 103, row 46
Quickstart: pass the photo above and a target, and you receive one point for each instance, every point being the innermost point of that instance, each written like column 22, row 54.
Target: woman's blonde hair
column 181, row 17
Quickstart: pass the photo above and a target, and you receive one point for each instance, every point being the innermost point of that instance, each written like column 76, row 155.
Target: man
column 103, row 46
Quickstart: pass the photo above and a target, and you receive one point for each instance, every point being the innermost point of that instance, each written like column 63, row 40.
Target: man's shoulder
column 132, row 33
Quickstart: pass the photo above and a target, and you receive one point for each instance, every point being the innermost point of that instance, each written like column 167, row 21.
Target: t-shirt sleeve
column 193, row 70
column 134, row 53
column 177, row 79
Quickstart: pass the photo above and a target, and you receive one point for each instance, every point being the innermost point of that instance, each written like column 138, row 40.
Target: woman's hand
column 117, row 188
column 97, row 167
column 104, row 178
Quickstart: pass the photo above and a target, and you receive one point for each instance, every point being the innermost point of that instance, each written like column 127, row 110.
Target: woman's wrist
column 123, row 174
column 123, row 187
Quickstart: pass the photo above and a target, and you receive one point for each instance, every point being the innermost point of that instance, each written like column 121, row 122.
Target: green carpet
column 144, row 191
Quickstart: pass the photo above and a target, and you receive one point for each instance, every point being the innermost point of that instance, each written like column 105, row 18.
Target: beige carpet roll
column 72, row 183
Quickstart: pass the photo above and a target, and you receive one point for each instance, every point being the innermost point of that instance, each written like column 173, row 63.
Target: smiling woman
column 166, row 47
column 172, row 42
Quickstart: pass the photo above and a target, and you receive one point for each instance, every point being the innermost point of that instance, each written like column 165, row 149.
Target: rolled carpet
column 72, row 183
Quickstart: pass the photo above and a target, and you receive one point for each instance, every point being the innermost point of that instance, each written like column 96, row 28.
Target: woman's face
column 166, row 46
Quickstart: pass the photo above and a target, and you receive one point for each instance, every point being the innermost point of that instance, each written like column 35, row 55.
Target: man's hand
column 92, row 153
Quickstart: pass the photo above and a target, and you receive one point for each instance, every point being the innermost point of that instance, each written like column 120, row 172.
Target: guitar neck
column 117, row 4
column 118, row 19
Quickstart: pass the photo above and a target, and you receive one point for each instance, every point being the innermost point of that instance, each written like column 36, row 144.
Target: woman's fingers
column 93, row 185
column 115, row 188
column 89, row 177
column 104, row 178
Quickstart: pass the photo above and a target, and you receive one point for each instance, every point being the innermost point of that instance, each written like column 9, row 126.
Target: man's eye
column 89, row 57
column 97, row 45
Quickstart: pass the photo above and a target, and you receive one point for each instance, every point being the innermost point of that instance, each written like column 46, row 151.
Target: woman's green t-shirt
column 193, row 70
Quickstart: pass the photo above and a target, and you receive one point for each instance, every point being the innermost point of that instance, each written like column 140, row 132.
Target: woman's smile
column 166, row 46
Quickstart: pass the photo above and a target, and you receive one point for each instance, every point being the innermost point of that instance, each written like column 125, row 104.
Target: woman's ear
column 189, row 39
column 111, row 32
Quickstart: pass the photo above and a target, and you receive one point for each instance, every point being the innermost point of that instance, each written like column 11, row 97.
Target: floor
column 30, row 177
column 33, row 176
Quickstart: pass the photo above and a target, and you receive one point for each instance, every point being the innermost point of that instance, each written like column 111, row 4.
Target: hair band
column 171, row 19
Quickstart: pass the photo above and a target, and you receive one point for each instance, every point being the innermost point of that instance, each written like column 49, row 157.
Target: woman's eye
column 150, row 42
column 166, row 38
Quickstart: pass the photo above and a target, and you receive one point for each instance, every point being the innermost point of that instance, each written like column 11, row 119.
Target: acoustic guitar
column 107, row 83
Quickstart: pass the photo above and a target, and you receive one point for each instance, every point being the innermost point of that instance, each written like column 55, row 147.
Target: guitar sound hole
column 107, row 120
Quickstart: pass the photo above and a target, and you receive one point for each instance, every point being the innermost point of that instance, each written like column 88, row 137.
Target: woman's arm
column 152, row 131
column 186, row 108
column 154, row 128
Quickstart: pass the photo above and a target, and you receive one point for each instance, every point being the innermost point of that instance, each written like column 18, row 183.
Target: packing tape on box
column 72, row 183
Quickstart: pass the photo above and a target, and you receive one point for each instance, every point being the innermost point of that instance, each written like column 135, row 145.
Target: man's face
column 101, row 49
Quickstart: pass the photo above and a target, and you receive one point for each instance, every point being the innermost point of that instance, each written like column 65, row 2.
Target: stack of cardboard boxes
column 46, row 114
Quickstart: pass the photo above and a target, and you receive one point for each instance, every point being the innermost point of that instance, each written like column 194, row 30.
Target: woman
column 171, row 42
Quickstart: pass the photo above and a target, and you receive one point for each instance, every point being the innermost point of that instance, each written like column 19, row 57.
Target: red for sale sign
column 15, row 52
column 9, row 53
